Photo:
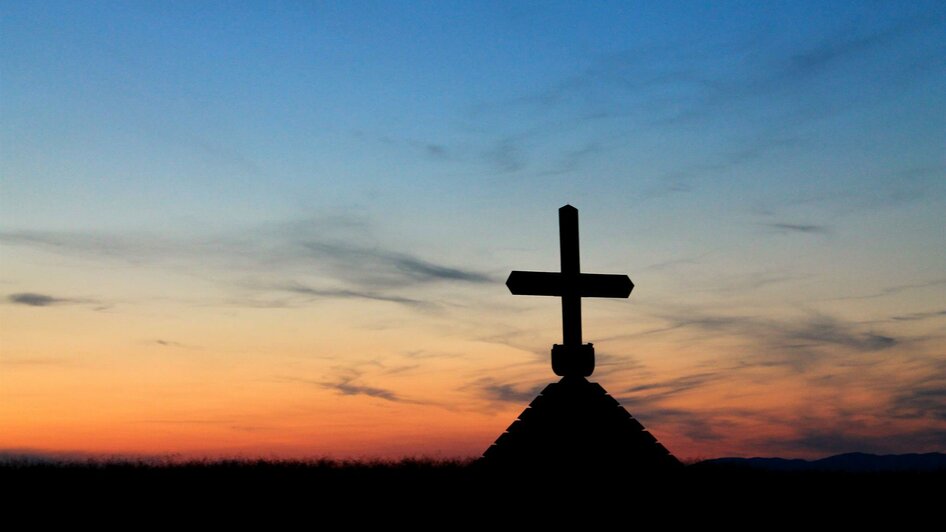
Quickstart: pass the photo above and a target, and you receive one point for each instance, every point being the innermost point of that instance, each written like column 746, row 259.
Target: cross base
column 573, row 360
column 574, row 431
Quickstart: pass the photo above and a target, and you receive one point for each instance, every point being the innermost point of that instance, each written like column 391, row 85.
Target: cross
column 572, row 357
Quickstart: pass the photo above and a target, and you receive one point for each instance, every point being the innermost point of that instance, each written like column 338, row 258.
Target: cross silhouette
column 571, row 357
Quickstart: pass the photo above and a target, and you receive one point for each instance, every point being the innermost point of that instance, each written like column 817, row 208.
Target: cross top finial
column 571, row 357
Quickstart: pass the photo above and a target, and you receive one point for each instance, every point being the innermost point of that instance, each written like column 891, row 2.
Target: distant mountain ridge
column 848, row 463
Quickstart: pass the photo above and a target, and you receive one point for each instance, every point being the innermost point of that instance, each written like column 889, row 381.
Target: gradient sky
column 282, row 228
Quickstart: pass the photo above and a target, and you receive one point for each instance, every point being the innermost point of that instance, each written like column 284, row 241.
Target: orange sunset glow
column 284, row 231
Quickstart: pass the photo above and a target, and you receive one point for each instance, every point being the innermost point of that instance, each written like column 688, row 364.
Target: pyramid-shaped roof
column 575, row 424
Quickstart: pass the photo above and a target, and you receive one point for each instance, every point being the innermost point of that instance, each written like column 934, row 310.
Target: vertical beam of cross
column 571, row 269
column 571, row 357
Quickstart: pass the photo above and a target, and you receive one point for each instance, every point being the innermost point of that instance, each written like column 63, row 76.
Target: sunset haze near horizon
column 282, row 229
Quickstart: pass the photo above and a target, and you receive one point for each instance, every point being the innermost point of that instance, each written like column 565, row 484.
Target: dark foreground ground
column 426, row 490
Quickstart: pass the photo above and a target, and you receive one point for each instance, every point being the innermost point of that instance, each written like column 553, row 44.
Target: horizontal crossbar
column 557, row 284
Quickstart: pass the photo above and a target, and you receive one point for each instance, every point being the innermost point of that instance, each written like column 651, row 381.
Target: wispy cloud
column 598, row 107
column 877, row 430
column 506, row 155
column 172, row 344
column 347, row 382
column 667, row 388
column 920, row 315
column 842, row 46
column 674, row 263
column 168, row 343
column 926, row 402
column 744, row 282
column 896, row 289
column 496, row 391
column 318, row 293
column 777, row 74
column 697, row 425
column 888, row 189
column 925, row 397
column 677, row 85
column 609, row 365
column 340, row 257
column 796, row 343
column 132, row 248
column 433, row 151
column 384, row 267
column 782, row 227
column 825, row 330
column 347, row 386
column 573, row 159
column 684, row 177
column 34, row 299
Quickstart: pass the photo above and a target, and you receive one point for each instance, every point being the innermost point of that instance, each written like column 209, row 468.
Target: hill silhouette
column 842, row 463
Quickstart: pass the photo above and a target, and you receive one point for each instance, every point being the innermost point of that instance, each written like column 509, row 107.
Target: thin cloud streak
column 677, row 385
column 172, row 344
column 797, row 344
column 920, row 316
column 622, row 88
column 382, row 267
column 494, row 390
column 798, row 228
column 925, row 398
column 896, row 289
column 347, row 387
column 337, row 250
column 353, row 294
column 33, row 299
column 346, row 384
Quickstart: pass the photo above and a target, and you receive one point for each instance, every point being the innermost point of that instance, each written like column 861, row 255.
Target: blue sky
column 779, row 162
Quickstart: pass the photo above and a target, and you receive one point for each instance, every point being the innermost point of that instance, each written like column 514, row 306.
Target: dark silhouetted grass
column 292, row 487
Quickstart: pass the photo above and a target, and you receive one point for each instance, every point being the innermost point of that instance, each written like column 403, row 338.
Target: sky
column 282, row 229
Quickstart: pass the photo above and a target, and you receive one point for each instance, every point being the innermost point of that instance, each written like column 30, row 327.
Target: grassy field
column 275, row 483
column 323, row 495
